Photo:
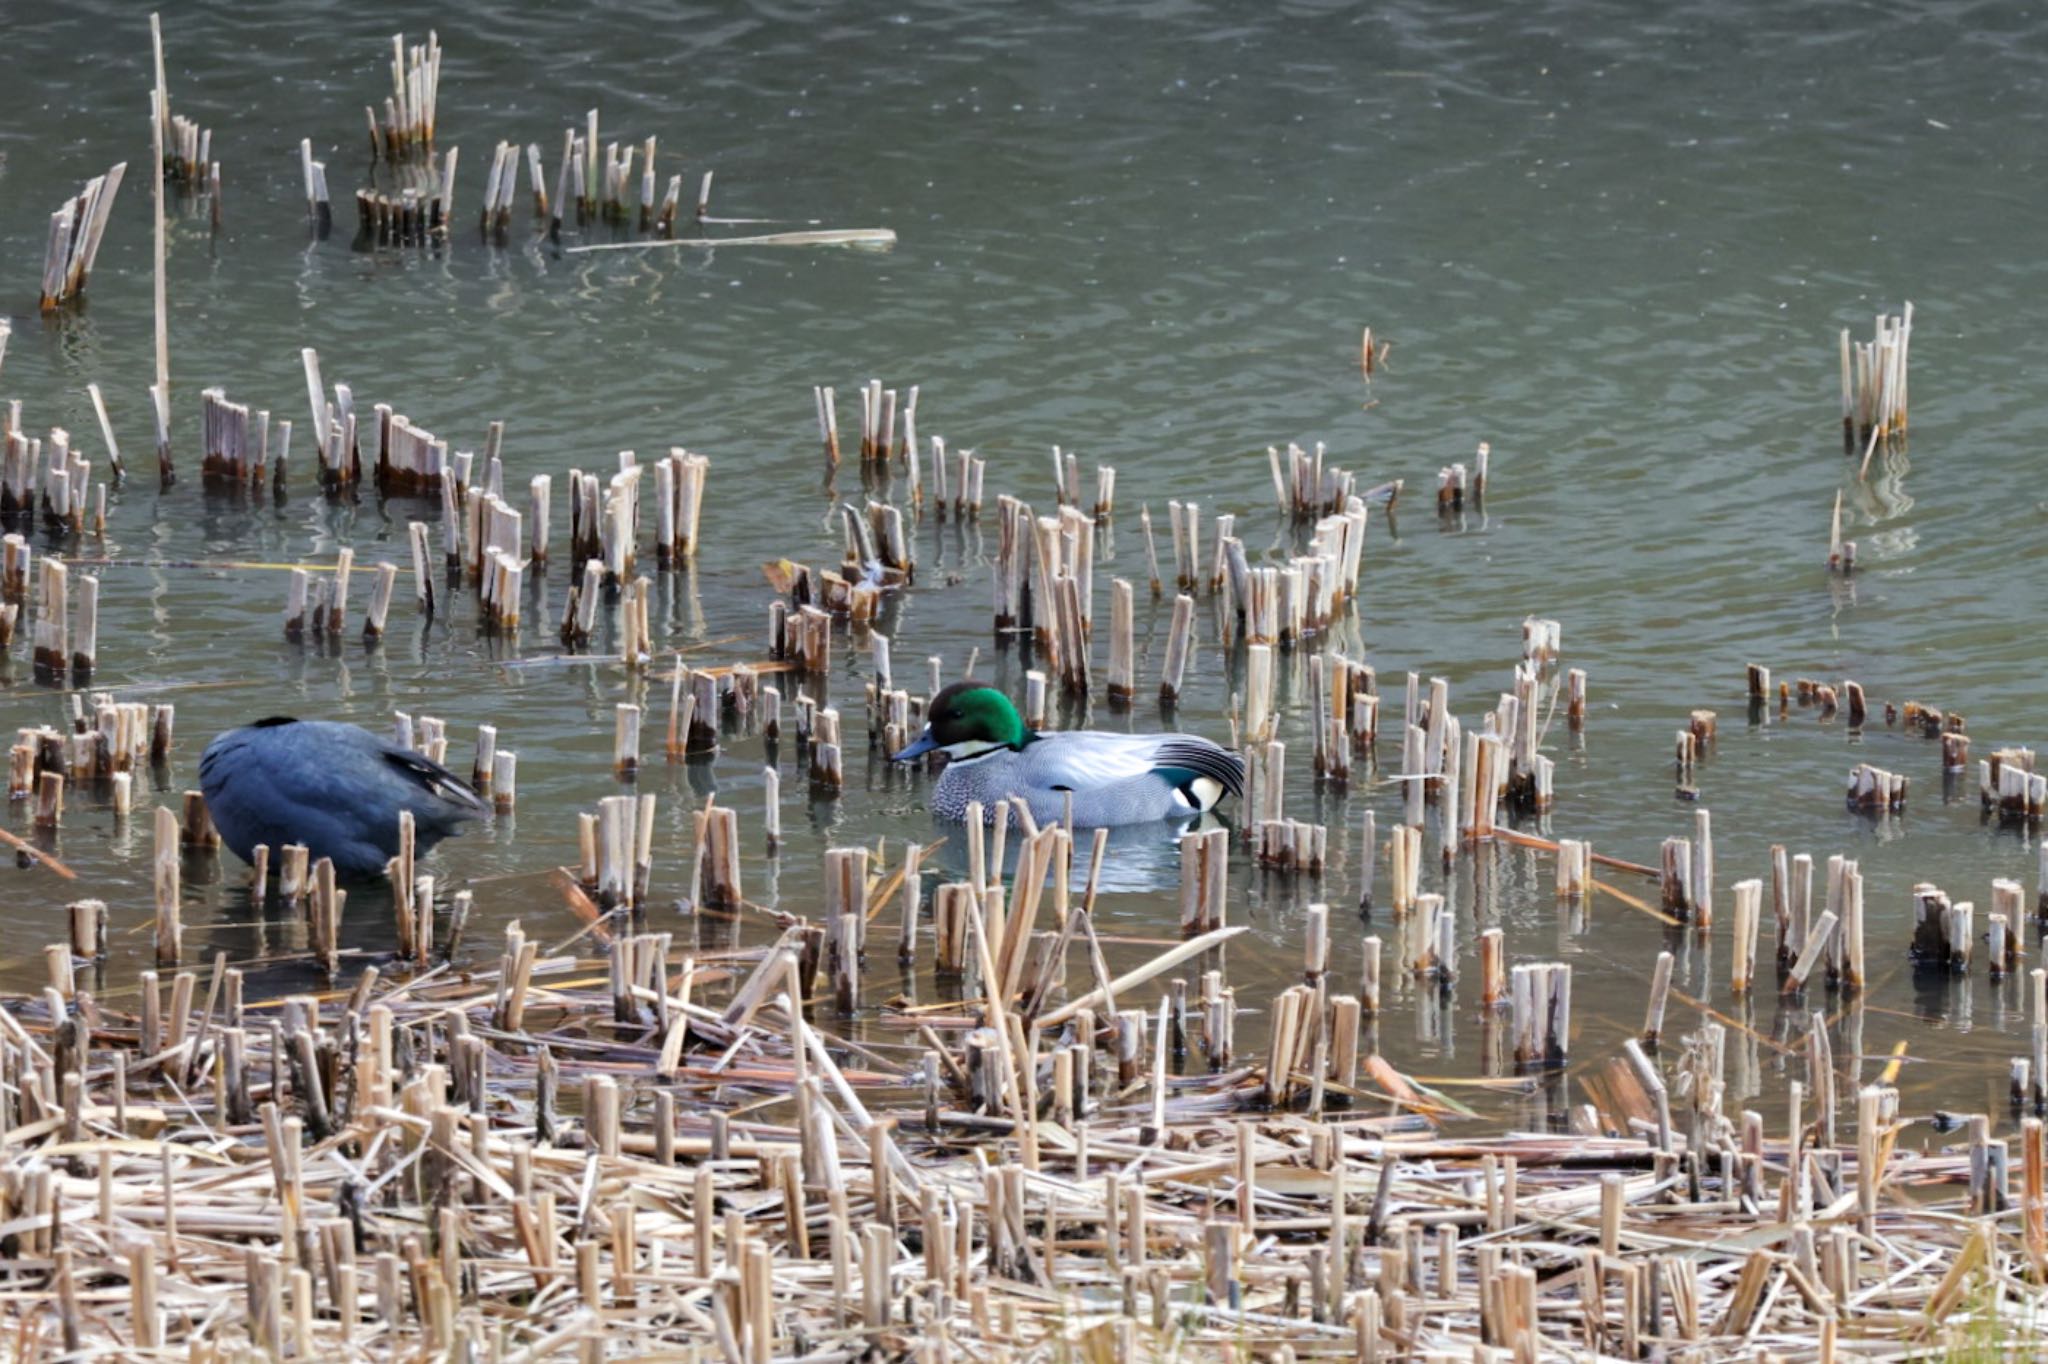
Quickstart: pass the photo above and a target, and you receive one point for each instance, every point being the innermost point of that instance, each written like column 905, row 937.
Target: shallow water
column 1616, row 242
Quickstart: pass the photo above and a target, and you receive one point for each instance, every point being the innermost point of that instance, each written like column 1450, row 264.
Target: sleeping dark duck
column 336, row 788
column 1111, row 778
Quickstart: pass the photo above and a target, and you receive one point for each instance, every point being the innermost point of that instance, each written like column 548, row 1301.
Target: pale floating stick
column 1123, row 984
column 880, row 238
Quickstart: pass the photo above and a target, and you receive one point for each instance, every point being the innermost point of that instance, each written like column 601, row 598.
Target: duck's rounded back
column 336, row 788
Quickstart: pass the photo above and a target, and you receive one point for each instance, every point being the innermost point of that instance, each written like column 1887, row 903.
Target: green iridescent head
column 968, row 719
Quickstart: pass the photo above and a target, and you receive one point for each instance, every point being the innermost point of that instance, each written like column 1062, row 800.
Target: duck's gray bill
column 923, row 746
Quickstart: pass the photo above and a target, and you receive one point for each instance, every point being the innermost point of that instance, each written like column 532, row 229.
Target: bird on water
column 336, row 788
column 1111, row 778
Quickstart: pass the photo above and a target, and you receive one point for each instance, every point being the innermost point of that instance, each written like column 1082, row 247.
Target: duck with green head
column 1110, row 778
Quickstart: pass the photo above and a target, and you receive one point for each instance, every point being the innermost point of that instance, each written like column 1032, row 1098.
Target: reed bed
column 670, row 1149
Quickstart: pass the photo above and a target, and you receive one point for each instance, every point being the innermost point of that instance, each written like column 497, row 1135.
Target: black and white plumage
column 336, row 788
column 1111, row 779
column 1106, row 779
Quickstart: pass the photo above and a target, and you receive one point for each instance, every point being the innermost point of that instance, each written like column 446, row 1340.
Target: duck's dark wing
column 433, row 781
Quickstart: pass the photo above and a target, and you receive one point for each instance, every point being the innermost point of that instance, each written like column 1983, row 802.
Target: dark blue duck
column 336, row 788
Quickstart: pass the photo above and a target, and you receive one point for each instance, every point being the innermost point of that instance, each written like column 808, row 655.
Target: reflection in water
column 1137, row 858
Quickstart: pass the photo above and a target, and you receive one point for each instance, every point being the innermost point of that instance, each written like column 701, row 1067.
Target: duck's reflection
column 1135, row 857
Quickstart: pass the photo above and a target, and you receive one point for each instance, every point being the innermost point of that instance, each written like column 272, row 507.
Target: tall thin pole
column 161, row 111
